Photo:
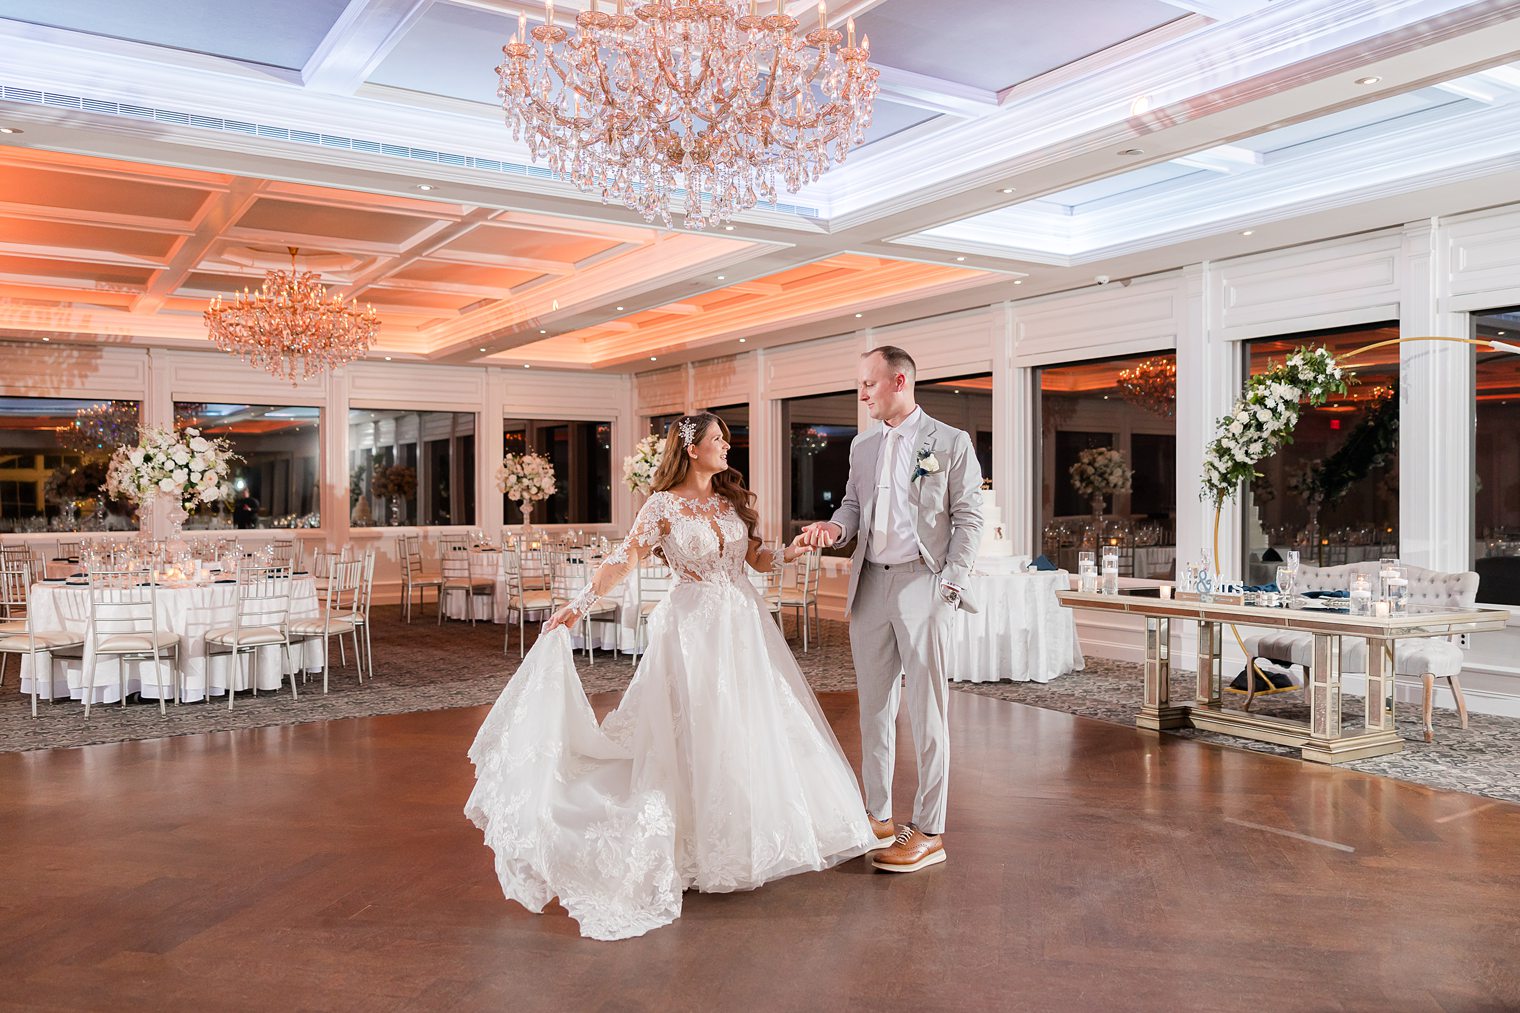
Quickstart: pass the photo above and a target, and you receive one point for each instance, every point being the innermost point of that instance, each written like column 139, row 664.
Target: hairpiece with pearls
column 688, row 430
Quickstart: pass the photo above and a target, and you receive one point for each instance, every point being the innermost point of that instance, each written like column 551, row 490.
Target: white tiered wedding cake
column 995, row 541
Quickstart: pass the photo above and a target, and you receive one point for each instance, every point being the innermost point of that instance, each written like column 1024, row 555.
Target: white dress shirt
column 894, row 536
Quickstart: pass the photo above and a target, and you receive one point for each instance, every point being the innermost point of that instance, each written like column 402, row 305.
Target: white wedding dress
column 716, row 772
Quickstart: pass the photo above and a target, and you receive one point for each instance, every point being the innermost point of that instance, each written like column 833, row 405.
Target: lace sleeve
column 648, row 528
column 765, row 560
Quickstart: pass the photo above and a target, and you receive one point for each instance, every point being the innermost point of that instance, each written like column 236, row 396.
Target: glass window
column 818, row 432
column 581, row 453
column 965, row 403
column 1127, row 405
column 53, row 456
column 1332, row 493
column 278, row 482
column 736, row 417
column 660, row 424
column 1496, row 479
column 410, row 467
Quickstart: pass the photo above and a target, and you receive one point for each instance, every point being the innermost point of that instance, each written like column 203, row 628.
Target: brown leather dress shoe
column 885, row 830
column 911, row 851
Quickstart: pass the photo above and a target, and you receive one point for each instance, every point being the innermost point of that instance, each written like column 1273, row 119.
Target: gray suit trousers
column 900, row 627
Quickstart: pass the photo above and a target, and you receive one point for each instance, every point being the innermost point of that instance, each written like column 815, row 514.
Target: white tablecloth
column 190, row 611
column 1021, row 633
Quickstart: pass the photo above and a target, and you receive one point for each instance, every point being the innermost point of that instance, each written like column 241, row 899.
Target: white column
column 334, row 464
column 490, row 432
column 1435, row 411
column 1016, row 438
column 767, row 452
column 1209, row 376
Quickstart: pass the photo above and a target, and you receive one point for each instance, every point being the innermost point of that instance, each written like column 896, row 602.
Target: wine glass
column 1286, row 579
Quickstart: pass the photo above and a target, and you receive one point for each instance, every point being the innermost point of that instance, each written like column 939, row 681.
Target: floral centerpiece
column 1100, row 472
column 1264, row 419
column 395, row 482
column 184, row 468
column 640, row 466
column 526, row 478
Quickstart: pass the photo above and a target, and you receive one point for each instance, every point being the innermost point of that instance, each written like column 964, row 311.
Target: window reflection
column 53, row 457
column 1496, row 478
column 410, row 467
column 1127, row 406
column 1333, row 492
column 581, row 453
column 277, row 483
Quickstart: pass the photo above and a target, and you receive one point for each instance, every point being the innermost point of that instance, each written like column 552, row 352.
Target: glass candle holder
column 1398, row 591
column 1361, row 595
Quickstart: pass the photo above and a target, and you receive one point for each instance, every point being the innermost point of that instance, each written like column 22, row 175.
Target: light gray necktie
column 881, row 521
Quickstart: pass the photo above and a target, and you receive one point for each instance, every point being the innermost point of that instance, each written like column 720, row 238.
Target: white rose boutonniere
column 928, row 464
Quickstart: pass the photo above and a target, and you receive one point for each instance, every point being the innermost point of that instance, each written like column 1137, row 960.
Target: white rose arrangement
column 526, row 478
column 1264, row 419
column 185, row 467
column 640, row 466
column 1100, row 471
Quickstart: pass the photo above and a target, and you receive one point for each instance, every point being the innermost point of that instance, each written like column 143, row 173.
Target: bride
column 717, row 770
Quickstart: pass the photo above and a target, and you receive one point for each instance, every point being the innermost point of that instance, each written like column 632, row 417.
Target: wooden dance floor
column 1092, row 866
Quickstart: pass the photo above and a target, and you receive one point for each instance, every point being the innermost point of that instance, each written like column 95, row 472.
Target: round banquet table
column 189, row 609
column 1021, row 633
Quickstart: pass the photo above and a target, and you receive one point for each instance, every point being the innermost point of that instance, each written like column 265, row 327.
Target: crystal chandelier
column 709, row 97
column 1151, row 384
column 100, row 428
column 291, row 327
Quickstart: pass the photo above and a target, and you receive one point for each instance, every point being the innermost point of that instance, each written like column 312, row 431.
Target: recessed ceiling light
column 728, row 228
column 387, row 358
column 1018, row 281
column 960, row 260
column 1368, row 80
column 11, row 130
column 482, row 349
column 620, row 309
column 542, row 331
column 1501, row 334
column 1249, row 232
column 424, row 187
column 527, row 365
column 744, row 340
column 1009, row 189
column 1133, row 151
column 653, row 359
column 721, row 277
column 47, row 339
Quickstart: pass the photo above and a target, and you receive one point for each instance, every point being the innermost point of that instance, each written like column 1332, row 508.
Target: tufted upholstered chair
column 1429, row 658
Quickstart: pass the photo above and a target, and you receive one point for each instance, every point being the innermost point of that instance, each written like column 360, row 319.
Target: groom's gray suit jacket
column 947, row 504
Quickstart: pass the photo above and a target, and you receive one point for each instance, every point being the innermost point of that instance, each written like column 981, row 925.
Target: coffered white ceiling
column 171, row 150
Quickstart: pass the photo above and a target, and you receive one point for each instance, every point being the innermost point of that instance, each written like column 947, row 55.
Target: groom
column 914, row 498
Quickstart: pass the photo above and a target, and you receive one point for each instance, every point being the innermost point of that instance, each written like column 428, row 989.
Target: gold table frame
column 1324, row 739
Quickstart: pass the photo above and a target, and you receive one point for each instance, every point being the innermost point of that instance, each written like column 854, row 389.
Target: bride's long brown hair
column 675, row 465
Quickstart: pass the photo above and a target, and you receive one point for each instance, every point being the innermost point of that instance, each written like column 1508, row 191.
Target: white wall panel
column 405, row 385
column 216, row 376
column 953, row 345
column 812, row 367
column 725, row 381
column 1483, row 260
column 660, row 391
column 73, row 370
column 1334, row 284
column 1095, row 323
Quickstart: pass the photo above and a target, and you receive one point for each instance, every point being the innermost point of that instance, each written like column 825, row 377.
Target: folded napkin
column 1260, row 588
column 1042, row 562
column 1343, row 593
column 62, row 559
column 226, row 580
column 81, row 576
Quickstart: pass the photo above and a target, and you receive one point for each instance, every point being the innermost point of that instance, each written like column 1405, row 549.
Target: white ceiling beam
column 358, row 42
column 558, row 268
column 220, row 211
column 1223, row 158
column 1219, row 10
column 77, row 256
column 756, row 288
column 680, row 309
column 905, row 88
column 89, row 216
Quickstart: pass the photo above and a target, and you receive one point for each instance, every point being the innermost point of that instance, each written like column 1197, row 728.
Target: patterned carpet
column 427, row 667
